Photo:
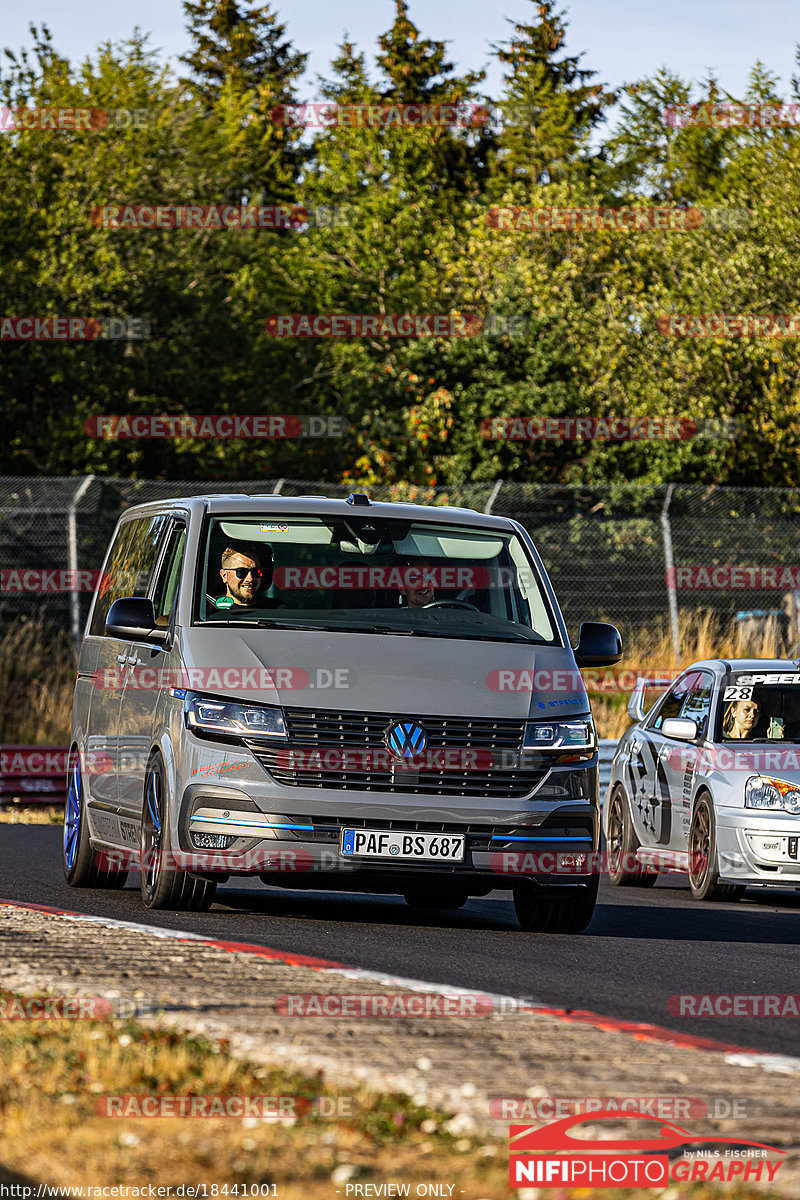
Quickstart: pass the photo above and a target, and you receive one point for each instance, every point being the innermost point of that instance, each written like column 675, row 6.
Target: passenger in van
column 246, row 570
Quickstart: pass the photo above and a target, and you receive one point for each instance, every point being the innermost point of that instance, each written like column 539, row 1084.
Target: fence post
column 72, row 560
column 669, row 564
column 494, row 494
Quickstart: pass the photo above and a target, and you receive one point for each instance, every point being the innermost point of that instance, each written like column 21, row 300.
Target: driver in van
column 419, row 592
column 246, row 569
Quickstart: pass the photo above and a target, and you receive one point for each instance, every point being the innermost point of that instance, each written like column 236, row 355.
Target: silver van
column 333, row 694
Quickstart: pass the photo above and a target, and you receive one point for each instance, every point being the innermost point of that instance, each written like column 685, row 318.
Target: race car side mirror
column 681, row 729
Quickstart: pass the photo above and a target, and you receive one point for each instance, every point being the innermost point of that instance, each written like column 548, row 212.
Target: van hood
column 382, row 673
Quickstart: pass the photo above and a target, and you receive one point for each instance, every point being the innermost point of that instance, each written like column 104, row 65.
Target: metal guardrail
column 33, row 774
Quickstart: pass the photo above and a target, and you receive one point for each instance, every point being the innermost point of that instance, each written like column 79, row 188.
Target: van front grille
column 327, row 729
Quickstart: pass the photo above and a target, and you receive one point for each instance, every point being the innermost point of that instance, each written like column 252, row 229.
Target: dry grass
column 18, row 814
column 702, row 634
column 37, row 679
column 56, row 1072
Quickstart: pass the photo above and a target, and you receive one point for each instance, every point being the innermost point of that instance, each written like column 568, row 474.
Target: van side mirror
column 599, row 645
column 134, row 617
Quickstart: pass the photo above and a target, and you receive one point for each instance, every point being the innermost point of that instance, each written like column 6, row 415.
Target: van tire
column 704, row 880
column 163, row 887
column 620, row 830
column 78, row 858
column 539, row 913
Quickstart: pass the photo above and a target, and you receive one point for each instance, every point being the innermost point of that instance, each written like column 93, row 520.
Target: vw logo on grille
column 406, row 739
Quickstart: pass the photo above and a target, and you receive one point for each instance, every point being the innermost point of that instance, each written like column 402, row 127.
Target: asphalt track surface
column 641, row 948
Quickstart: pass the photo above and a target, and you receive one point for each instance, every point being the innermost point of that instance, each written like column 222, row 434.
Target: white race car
column 708, row 782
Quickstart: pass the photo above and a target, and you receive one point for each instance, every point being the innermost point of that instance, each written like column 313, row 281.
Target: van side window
column 129, row 566
column 167, row 582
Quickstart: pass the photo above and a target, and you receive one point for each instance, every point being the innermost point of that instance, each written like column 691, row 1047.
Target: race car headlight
column 760, row 791
column 576, row 734
column 233, row 719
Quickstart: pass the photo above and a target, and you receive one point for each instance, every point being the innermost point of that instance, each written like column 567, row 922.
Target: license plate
column 397, row 844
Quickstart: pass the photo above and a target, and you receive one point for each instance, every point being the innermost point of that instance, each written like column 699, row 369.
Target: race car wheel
column 79, row 860
column 570, row 913
column 163, row 884
column 621, row 846
column 703, row 870
column 422, row 898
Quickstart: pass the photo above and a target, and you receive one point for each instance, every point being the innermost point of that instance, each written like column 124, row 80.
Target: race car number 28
column 738, row 693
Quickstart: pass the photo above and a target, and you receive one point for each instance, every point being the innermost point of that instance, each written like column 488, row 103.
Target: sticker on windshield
column 738, row 693
column 773, row 680
column 278, row 527
column 224, row 602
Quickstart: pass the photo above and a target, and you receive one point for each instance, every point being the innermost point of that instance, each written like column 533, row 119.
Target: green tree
column 550, row 106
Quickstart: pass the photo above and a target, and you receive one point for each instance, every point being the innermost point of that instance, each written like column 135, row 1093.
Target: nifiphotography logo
column 555, row 1156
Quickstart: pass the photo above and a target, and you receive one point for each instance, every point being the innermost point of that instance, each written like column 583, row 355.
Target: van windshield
column 368, row 575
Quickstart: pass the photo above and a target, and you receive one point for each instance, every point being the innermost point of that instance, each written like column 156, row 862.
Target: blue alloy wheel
column 72, row 813
column 80, row 859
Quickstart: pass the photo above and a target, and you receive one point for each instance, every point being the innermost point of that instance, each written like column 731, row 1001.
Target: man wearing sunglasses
column 244, row 576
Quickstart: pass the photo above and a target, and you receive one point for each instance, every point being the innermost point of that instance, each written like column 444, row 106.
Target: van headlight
column 233, row 719
column 761, row 791
column 576, row 734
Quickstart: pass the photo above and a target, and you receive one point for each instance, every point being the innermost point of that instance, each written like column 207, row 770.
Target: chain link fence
column 608, row 549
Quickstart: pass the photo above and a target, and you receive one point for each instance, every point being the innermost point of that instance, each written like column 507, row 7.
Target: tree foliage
column 398, row 219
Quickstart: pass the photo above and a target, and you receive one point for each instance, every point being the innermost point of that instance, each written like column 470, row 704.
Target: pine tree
column 416, row 71
column 550, row 107
column 247, row 48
